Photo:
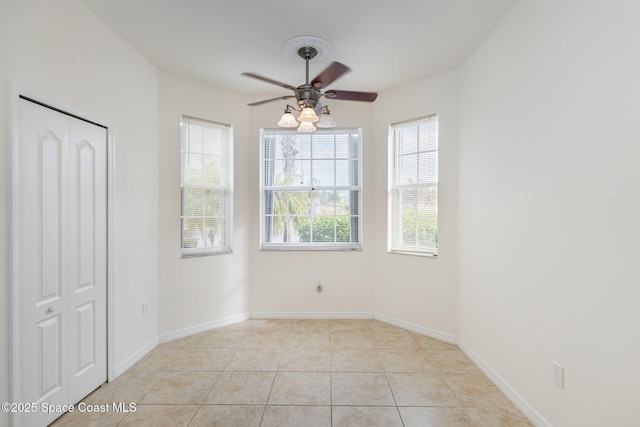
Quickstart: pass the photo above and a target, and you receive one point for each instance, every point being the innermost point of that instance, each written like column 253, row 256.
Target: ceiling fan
column 308, row 94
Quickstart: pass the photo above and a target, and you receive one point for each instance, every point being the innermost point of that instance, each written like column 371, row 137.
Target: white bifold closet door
column 62, row 239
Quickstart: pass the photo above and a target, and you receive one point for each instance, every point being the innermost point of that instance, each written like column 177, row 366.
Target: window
column 206, row 187
column 310, row 189
column 413, row 186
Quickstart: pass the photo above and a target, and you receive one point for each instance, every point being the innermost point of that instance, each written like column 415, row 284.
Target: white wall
column 414, row 289
column 284, row 281
column 63, row 52
column 549, row 207
column 202, row 290
column 417, row 290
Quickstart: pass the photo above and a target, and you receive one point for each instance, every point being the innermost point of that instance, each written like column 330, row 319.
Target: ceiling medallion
column 291, row 47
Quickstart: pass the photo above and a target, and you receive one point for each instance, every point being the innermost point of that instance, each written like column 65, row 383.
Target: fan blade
column 268, row 80
column 334, row 71
column 266, row 101
column 351, row 96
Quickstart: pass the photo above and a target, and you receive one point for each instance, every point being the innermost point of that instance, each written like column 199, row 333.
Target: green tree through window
column 311, row 189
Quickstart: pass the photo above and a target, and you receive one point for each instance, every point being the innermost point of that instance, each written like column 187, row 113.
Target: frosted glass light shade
column 326, row 121
column 288, row 121
column 308, row 115
column 306, row 127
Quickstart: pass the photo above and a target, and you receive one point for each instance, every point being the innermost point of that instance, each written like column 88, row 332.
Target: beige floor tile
column 182, row 388
column 361, row 389
column 297, row 416
column 309, row 325
column 301, row 388
column 377, row 326
column 394, row 340
column 89, row 419
column 498, row 417
column 305, row 359
column 350, row 339
column 175, row 344
column 132, row 386
column 243, row 326
column 406, row 361
column 367, row 416
column 161, row 358
column 255, row 359
column 309, row 340
column 204, row 359
column 431, row 344
column 265, row 339
column 271, row 325
column 160, row 416
column 421, row 390
column 355, row 360
column 241, row 388
column 209, row 339
column 476, row 390
column 289, row 372
column 453, row 362
column 436, row 417
column 346, row 325
column 215, row 339
column 228, row 416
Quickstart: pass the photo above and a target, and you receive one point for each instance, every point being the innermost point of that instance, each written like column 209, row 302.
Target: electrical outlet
column 145, row 309
column 558, row 374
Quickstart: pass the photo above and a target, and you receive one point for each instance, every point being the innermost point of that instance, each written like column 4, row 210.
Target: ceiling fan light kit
column 326, row 120
column 308, row 115
column 287, row 120
column 308, row 94
column 306, row 127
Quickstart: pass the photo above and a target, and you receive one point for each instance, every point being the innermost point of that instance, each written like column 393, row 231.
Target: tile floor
column 303, row 373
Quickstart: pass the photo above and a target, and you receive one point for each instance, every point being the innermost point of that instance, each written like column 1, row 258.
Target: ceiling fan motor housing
column 307, row 96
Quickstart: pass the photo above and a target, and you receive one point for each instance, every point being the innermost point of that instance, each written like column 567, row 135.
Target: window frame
column 225, row 188
column 312, row 246
column 393, row 187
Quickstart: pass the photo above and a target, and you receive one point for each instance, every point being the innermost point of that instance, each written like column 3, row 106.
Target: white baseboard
column 309, row 315
column 134, row 358
column 181, row 333
column 529, row 411
column 439, row 335
column 138, row 355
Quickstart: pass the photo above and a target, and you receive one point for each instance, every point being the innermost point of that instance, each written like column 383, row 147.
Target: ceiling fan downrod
column 306, row 94
column 307, row 53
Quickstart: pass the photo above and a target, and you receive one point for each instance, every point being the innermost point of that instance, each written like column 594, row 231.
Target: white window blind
column 310, row 189
column 206, row 187
column 413, row 186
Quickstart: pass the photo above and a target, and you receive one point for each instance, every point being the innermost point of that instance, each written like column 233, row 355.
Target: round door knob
column 50, row 310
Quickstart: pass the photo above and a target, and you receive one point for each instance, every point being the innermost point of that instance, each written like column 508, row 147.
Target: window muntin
column 413, row 186
column 206, row 187
column 310, row 185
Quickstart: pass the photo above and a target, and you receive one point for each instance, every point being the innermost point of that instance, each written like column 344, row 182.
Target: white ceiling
column 386, row 43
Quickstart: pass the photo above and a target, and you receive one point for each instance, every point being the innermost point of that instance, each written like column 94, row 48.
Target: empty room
column 339, row 213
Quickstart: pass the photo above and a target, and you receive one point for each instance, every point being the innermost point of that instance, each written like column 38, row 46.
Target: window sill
column 309, row 248
column 184, row 255
column 419, row 254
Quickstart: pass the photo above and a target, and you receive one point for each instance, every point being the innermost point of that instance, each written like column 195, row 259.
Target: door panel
column 62, row 262
column 49, row 357
column 86, row 337
column 88, row 257
column 49, row 215
column 43, row 273
column 86, row 204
